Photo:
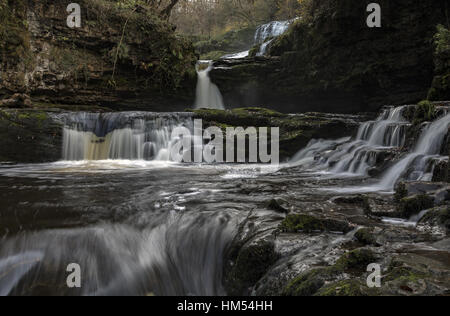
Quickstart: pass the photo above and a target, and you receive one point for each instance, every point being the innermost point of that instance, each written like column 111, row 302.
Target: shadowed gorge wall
column 331, row 61
column 41, row 56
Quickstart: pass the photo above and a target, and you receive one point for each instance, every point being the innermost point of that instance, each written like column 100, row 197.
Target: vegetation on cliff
column 123, row 51
column 440, row 89
column 313, row 67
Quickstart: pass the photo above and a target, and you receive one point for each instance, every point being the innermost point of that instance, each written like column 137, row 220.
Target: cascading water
column 415, row 165
column 356, row 157
column 264, row 36
column 125, row 136
column 272, row 29
column 208, row 95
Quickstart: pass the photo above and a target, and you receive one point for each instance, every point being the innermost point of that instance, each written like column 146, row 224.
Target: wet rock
column 29, row 136
column 413, row 274
column 345, row 288
column 295, row 223
column 296, row 131
column 439, row 216
column 356, row 261
column 441, row 172
column 423, row 187
column 18, row 100
column 309, row 283
column 317, row 281
column 366, row 236
column 251, row 263
column 412, row 205
column 275, row 205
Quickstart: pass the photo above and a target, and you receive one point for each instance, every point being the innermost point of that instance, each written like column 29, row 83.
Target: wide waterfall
column 208, row 95
column 385, row 134
column 127, row 136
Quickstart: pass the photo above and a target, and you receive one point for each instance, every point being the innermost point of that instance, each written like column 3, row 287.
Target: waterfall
column 262, row 35
column 358, row 155
column 208, row 94
column 271, row 29
column 415, row 165
column 386, row 133
column 128, row 136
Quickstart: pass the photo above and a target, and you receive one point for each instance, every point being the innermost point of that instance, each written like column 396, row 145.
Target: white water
column 208, row 95
column 120, row 136
column 359, row 155
column 355, row 157
column 263, row 32
column 271, row 29
column 416, row 164
column 236, row 55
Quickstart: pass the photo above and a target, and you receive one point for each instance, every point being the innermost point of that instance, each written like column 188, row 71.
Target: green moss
column 251, row 264
column 400, row 192
column 425, row 111
column 309, row 283
column 412, row 205
column 356, row 260
column 366, row 236
column 404, row 274
column 342, row 288
column 214, row 55
column 315, row 281
column 294, row 223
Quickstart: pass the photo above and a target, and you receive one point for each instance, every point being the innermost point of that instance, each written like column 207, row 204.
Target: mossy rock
column 438, row 216
column 275, row 205
column 343, row 288
column 307, row 284
column 400, row 192
column 251, row 264
column 425, row 111
column 323, row 281
column 356, row 260
column 294, row 223
column 366, row 236
column 412, row 205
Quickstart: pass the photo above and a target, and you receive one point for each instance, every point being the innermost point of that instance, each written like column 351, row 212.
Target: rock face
column 120, row 58
column 29, row 136
column 296, row 131
column 331, row 61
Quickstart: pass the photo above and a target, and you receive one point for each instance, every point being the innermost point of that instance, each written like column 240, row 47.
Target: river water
column 137, row 224
column 134, row 227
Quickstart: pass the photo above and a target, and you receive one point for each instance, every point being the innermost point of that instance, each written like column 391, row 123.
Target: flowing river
column 138, row 224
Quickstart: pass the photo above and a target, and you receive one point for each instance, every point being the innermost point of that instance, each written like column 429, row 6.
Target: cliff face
column 331, row 61
column 120, row 58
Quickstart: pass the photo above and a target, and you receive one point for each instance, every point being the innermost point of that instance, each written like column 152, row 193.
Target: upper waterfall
column 271, row 29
